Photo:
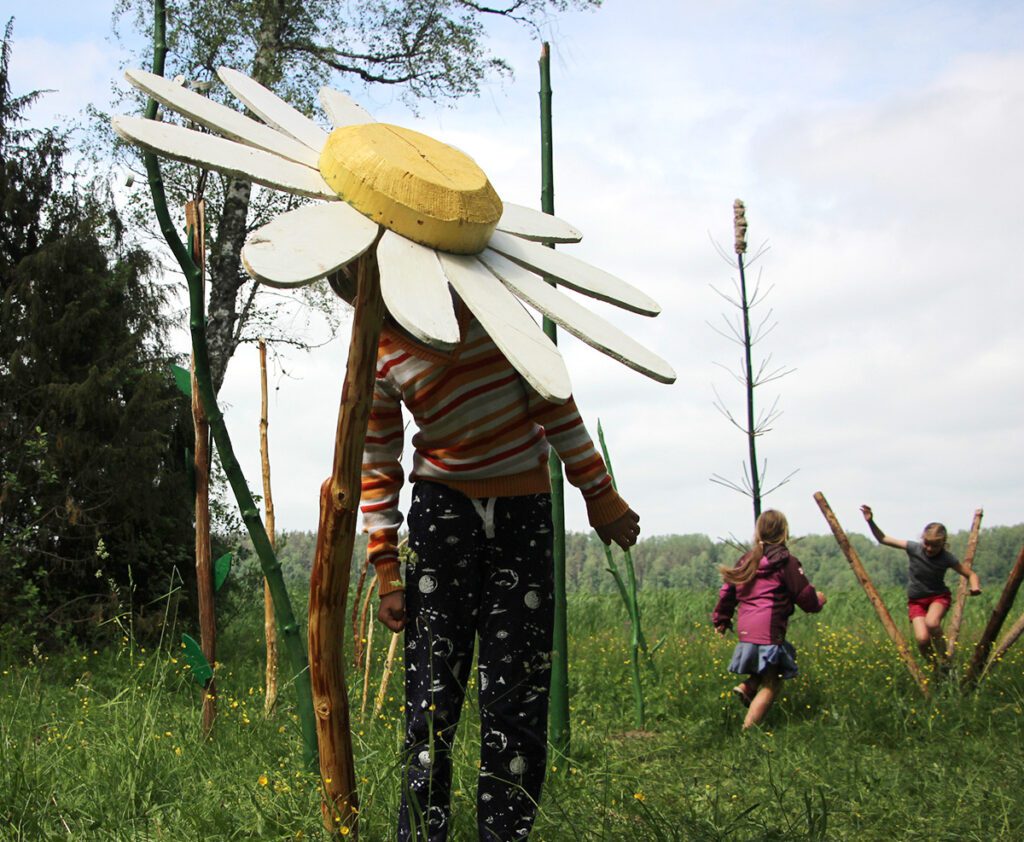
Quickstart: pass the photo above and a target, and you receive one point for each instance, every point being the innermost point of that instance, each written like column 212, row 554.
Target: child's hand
column 975, row 584
column 868, row 514
column 821, row 597
column 392, row 610
column 623, row 531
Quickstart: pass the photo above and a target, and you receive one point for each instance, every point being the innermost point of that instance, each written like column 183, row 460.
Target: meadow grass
column 106, row 744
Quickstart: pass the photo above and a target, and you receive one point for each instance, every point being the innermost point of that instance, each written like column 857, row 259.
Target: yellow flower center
column 413, row 185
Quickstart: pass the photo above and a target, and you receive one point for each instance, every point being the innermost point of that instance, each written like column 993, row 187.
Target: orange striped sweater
column 480, row 430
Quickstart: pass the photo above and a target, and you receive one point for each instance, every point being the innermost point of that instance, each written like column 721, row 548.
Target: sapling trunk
column 558, row 717
column 269, row 628
column 197, row 325
column 364, row 621
column 995, row 623
column 389, row 668
column 329, row 580
column 195, row 225
column 956, row 618
column 865, row 581
column 366, row 669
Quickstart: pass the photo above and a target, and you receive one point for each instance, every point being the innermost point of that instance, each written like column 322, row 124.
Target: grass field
column 105, row 744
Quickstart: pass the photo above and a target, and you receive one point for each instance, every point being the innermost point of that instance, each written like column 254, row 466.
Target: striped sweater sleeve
column 584, row 467
column 382, row 478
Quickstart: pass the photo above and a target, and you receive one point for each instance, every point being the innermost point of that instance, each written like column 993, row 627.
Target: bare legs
column 767, row 686
column 928, row 632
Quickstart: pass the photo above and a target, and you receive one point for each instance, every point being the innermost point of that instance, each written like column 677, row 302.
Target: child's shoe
column 744, row 692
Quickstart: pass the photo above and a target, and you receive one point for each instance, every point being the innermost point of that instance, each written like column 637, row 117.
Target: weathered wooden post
column 869, row 589
column 269, row 626
column 995, row 622
column 1011, row 637
column 961, row 592
column 329, row 580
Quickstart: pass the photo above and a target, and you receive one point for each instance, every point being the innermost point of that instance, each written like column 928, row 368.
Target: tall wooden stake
column 869, row 589
column 1011, row 637
column 195, row 223
column 961, row 593
column 995, row 623
column 558, row 716
column 269, row 626
column 328, row 586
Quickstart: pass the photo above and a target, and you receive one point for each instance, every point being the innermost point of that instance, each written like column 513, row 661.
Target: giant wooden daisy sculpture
column 418, row 219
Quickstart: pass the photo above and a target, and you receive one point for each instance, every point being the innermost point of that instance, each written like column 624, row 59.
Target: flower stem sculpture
column 403, row 222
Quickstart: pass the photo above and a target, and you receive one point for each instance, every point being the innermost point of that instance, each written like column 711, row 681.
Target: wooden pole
column 364, row 621
column 995, row 622
column 194, row 222
column 558, row 716
column 329, row 580
column 869, row 589
column 269, row 625
column 1011, row 637
column 389, row 668
column 357, row 637
column 961, row 592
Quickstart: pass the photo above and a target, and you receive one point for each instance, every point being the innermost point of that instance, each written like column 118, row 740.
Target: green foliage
column 94, row 510
column 108, row 743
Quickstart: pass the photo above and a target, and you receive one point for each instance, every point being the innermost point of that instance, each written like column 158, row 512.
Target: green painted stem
column 294, row 640
column 558, row 717
column 755, row 480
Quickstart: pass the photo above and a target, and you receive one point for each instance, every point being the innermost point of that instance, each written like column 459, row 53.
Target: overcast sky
column 877, row 147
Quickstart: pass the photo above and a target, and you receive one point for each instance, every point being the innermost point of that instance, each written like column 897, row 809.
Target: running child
column 480, row 526
column 928, row 598
column 766, row 583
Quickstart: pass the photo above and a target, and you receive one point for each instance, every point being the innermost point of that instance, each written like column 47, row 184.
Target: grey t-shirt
column 926, row 575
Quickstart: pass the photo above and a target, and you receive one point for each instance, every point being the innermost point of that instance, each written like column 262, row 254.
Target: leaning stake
column 869, row 589
column 961, row 594
column 995, row 622
column 269, row 628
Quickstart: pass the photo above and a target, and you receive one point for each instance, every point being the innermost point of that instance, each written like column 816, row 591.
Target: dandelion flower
column 427, row 209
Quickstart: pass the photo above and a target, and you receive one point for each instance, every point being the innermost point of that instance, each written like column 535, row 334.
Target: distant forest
column 692, row 561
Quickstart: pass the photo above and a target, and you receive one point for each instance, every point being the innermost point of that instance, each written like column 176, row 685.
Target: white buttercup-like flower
column 443, row 224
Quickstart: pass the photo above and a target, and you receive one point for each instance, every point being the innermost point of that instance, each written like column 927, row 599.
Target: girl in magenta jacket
column 766, row 583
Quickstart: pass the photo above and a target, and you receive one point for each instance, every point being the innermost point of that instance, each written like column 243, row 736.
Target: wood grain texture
column 225, row 121
column 577, row 319
column 273, row 110
column 306, row 244
column 513, row 330
column 961, row 592
column 574, row 273
column 225, row 156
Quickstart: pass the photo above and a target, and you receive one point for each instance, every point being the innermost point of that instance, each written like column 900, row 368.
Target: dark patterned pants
column 483, row 569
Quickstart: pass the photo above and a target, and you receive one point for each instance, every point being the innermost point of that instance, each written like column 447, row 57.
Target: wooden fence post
column 869, row 589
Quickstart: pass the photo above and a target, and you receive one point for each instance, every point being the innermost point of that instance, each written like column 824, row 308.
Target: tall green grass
column 107, row 745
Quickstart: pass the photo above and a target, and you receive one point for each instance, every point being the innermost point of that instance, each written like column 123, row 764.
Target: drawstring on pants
column 486, row 514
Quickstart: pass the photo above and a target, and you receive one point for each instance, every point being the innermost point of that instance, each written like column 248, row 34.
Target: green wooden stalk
column 627, row 590
column 755, row 480
column 558, row 717
column 290, row 631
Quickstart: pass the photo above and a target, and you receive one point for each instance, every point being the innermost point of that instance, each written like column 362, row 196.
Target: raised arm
column 880, row 536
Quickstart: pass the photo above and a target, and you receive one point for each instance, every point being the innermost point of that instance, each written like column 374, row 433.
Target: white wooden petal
column 415, row 291
column 274, row 110
column 225, row 156
column 531, row 224
column 574, row 273
column 342, row 109
column 513, row 330
column 226, row 121
column 307, row 243
column 577, row 319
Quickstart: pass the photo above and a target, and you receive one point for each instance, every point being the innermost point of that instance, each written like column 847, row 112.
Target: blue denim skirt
column 755, row 658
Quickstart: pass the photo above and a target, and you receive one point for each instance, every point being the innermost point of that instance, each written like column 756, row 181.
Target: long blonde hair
column 771, row 528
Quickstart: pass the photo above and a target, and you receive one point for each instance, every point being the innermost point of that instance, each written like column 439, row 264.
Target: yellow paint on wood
column 413, row 185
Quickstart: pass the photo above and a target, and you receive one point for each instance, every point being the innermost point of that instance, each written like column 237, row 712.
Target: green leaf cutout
column 183, row 380
column 221, row 570
column 202, row 672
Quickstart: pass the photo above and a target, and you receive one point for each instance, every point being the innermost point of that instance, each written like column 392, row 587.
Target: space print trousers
column 483, row 569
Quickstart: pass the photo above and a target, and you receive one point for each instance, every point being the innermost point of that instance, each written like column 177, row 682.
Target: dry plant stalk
column 357, row 637
column 1011, row 637
column 961, row 593
column 995, row 623
column 366, row 669
column 269, row 624
column 869, row 589
column 389, row 668
column 364, row 620
column 195, row 222
column 329, row 580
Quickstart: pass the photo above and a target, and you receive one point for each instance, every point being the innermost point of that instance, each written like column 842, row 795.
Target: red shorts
column 919, row 607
